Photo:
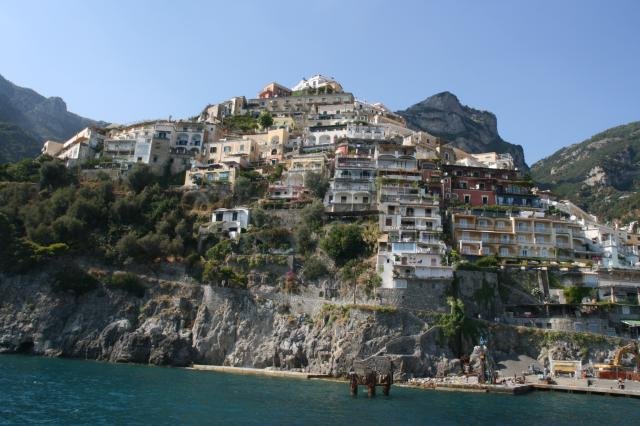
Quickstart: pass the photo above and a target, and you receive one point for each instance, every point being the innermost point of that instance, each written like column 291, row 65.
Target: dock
column 258, row 372
column 591, row 390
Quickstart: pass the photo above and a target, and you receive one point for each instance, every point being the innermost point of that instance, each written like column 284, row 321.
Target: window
column 218, row 217
column 485, row 200
column 241, row 148
column 388, row 222
column 155, row 158
column 227, row 149
column 467, row 199
column 343, row 199
column 524, row 252
column 213, row 150
column 463, row 185
column 234, row 216
column 504, row 252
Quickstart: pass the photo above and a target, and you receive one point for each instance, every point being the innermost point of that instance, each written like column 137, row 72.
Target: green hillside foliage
column 615, row 154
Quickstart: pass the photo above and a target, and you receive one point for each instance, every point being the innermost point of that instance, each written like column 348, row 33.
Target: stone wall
column 428, row 295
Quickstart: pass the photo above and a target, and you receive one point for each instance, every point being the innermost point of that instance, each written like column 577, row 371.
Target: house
column 318, row 81
column 230, row 221
column 274, row 90
column 79, row 148
column 215, row 174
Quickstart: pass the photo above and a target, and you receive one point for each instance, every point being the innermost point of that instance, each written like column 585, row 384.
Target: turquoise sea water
column 56, row 391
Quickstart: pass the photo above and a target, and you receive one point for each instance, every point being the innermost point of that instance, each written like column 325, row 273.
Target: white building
column 80, row 147
column 231, row 221
column 316, row 82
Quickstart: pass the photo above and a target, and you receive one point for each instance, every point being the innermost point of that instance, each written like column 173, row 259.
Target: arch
column 311, row 140
column 196, row 140
column 274, row 151
column 324, row 140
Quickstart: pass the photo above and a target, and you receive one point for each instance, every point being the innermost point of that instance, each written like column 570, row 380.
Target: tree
column 265, row 120
column 317, row 183
column 343, row 243
column 139, row 177
column 313, row 215
column 304, row 238
column 54, row 174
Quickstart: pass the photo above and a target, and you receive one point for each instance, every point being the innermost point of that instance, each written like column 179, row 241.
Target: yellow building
column 523, row 236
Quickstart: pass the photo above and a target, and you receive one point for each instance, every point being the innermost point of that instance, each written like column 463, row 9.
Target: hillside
column 28, row 118
column 600, row 174
column 466, row 128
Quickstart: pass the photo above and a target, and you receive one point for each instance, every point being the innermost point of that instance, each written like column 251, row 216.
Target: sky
column 554, row 72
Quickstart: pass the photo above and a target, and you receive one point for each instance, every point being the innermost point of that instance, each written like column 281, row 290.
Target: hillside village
column 437, row 208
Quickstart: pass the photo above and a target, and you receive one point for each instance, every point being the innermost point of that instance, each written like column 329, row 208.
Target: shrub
column 574, row 295
column 73, row 279
column 128, row 282
column 265, row 120
column 139, row 177
column 343, row 243
column 487, row 262
column 304, row 239
column 220, row 251
column 314, row 268
column 216, row 273
column 317, row 183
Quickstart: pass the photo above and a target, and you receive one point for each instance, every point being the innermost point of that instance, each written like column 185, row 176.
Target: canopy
column 631, row 323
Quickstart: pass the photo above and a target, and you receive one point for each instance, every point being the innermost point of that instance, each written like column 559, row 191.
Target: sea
column 36, row 390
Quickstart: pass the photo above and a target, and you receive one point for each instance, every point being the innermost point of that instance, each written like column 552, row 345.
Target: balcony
column 541, row 230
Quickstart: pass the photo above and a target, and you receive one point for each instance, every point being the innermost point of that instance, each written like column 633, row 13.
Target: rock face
column 469, row 129
column 600, row 174
column 179, row 324
column 27, row 119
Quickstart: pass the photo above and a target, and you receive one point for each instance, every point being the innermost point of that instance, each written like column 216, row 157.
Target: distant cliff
column 600, row 174
column 466, row 128
column 28, row 118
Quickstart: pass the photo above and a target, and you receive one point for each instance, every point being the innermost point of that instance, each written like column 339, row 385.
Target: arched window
column 311, row 140
column 274, row 152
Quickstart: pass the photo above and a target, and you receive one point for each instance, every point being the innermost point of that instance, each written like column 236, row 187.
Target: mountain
column 469, row 129
column 27, row 119
column 601, row 174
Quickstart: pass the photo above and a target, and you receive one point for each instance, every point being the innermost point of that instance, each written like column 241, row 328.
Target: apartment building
column 210, row 175
column 79, row 148
column 527, row 235
column 410, row 220
column 484, row 186
column 352, row 188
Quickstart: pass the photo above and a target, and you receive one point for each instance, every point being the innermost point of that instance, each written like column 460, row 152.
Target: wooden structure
column 371, row 372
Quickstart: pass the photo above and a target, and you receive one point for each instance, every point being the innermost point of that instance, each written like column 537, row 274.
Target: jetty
column 259, row 372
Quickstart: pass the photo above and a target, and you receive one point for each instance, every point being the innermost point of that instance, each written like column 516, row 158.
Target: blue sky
column 554, row 72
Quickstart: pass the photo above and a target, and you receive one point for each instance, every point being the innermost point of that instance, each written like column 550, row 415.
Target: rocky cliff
column 27, row 119
column 601, row 174
column 469, row 129
column 179, row 324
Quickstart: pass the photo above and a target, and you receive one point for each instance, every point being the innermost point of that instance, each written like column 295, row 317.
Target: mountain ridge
column 601, row 174
column 470, row 129
column 28, row 118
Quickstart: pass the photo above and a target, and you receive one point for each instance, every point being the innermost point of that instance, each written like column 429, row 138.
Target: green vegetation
column 344, row 243
column 240, row 123
column 46, row 213
column 73, row 279
column 314, row 269
column 574, row 294
column 615, row 152
column 265, row 120
column 126, row 282
column 317, row 183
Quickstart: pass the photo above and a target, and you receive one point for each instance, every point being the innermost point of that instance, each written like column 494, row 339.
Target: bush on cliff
column 314, row 269
column 344, row 242
column 128, row 282
column 73, row 279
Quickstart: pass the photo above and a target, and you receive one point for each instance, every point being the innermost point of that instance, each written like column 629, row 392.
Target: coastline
column 519, row 389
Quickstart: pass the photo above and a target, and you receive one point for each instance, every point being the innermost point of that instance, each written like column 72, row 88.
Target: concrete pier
column 258, row 372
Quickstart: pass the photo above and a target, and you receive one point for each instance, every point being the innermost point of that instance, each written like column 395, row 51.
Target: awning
column 631, row 323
